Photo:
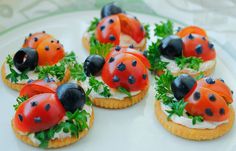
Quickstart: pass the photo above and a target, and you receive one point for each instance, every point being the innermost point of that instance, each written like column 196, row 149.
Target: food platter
column 134, row 128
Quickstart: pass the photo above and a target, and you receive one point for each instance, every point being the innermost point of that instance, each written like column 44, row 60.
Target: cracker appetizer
column 194, row 109
column 115, row 27
column 41, row 56
column 49, row 116
column 118, row 81
column 187, row 51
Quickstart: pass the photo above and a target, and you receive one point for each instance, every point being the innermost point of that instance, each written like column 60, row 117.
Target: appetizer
column 115, row 27
column 41, row 56
column 194, row 109
column 188, row 51
column 118, row 81
column 49, row 116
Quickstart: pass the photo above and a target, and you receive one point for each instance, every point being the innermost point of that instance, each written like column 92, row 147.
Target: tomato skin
column 50, row 51
column 191, row 30
column 209, row 110
column 38, row 87
column 128, row 79
column 107, row 27
column 198, row 47
column 132, row 27
column 29, row 118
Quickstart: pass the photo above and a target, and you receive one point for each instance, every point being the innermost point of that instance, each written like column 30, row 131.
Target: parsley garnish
column 147, row 31
column 19, row 100
column 101, row 49
column 124, row 90
column 195, row 119
column 189, row 62
column 75, row 123
column 177, row 108
column 164, row 29
column 77, row 72
column 14, row 76
column 99, row 87
column 93, row 24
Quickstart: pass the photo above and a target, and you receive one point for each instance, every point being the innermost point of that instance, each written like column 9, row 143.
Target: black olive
column 171, row 47
column 110, row 9
column 93, row 65
column 25, row 59
column 72, row 96
column 182, row 85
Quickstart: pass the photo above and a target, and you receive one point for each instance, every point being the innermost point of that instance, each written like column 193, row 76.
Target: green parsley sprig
column 125, row 91
column 164, row 29
column 19, row 100
column 99, row 87
column 189, row 62
column 147, row 30
column 93, row 24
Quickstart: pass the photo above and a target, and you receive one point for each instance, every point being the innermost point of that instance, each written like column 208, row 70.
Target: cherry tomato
column 39, row 113
column 191, row 30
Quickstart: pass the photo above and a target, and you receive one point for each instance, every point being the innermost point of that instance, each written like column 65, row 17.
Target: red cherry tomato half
column 198, row 46
column 38, row 87
column 191, row 30
column 39, row 113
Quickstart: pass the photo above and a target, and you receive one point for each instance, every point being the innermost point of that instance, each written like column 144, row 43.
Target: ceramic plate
column 134, row 128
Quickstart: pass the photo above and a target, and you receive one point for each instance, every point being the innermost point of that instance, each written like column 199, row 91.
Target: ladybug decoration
column 115, row 22
column 38, row 49
column 46, row 104
column 190, row 41
column 206, row 97
column 127, row 68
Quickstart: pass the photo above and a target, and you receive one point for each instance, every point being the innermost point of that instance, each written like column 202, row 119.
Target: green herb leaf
column 101, row 49
column 77, row 72
column 20, row 100
column 177, row 108
column 189, row 62
column 147, row 31
column 99, row 87
column 200, row 76
column 196, row 119
column 93, row 24
column 164, row 29
column 125, row 91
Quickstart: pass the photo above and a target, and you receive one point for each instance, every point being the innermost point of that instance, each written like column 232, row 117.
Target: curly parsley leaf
column 195, row 119
column 189, row 62
column 147, row 31
column 101, row 49
column 77, row 72
column 177, row 108
column 75, row 123
column 93, row 24
column 164, row 29
column 20, row 100
column 125, row 91
column 99, row 87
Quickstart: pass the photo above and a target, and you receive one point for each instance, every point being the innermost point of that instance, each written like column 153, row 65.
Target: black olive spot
column 58, row 41
column 131, row 46
column 222, row 111
column 102, row 27
column 111, row 60
column 111, row 21
column 134, row 63
column 178, row 29
column 135, row 18
column 37, row 120
column 47, row 107
column 198, row 49
column 20, row 117
column 210, row 81
column 208, row 112
column 144, row 76
column 210, row 45
column 112, row 37
column 121, row 67
column 58, row 48
column 43, row 31
column 52, row 41
column 190, row 36
column 47, row 48
column 30, row 35
column 33, row 104
column 212, row 97
column 35, row 39
column 203, row 38
column 222, row 80
column 117, row 48
column 115, row 79
column 196, row 96
column 141, row 28
column 232, row 91
column 30, row 80
column 131, row 79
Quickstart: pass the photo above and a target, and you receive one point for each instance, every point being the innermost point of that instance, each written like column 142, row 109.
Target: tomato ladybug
column 198, row 46
column 49, row 49
column 191, row 30
column 46, row 105
column 127, row 68
column 110, row 28
column 206, row 97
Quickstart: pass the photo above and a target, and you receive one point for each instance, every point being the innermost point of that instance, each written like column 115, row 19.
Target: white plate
column 134, row 128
